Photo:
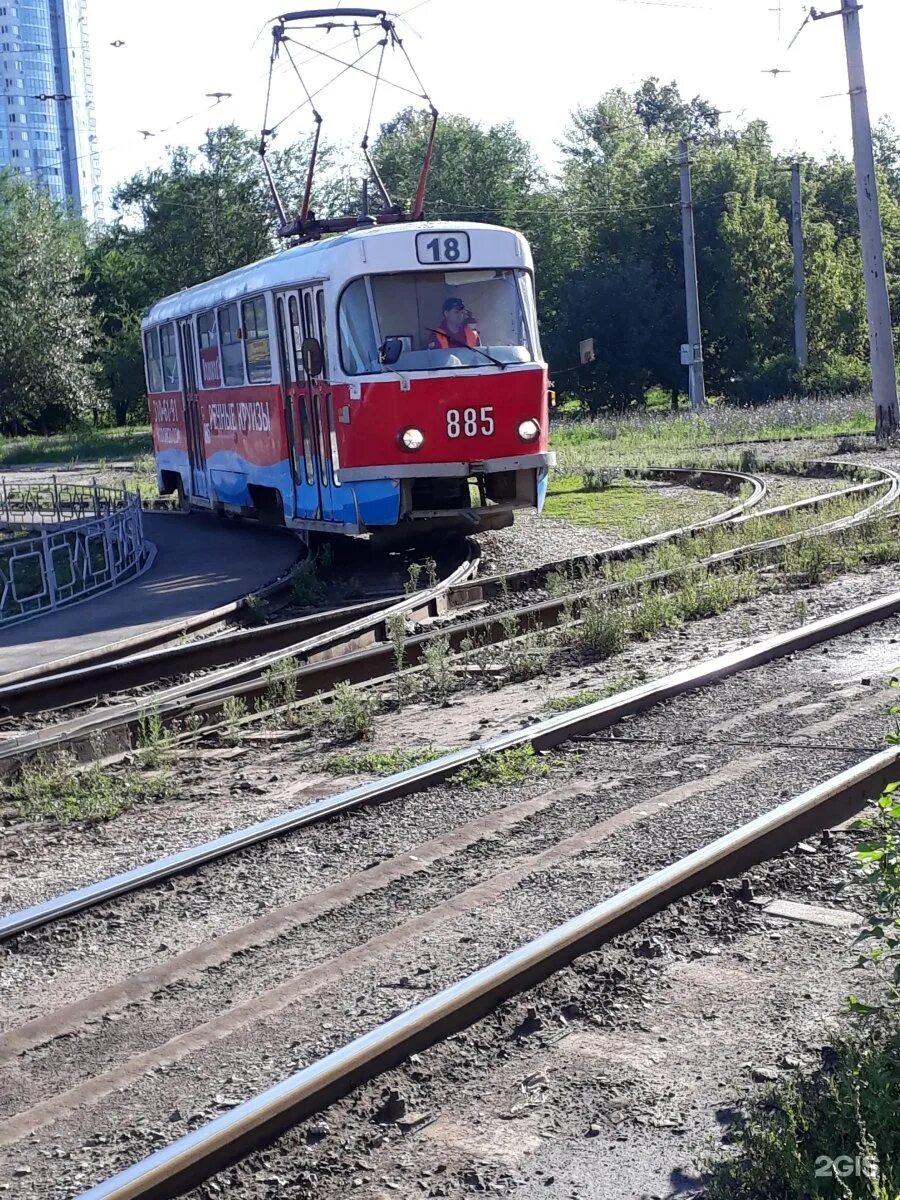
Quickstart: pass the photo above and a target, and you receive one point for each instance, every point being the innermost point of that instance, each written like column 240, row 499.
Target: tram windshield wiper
column 465, row 346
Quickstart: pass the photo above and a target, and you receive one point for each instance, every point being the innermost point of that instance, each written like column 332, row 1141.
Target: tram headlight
column 412, row 439
column 529, row 430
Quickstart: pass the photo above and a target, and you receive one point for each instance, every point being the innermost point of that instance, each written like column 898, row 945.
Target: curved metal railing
column 60, row 543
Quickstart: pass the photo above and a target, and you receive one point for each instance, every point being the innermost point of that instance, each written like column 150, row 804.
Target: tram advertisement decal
column 166, row 412
column 245, row 416
column 251, row 428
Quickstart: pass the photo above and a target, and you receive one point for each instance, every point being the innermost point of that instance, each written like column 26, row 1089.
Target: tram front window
column 443, row 319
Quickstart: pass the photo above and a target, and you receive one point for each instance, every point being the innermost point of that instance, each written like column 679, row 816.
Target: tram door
column 303, row 311
column 295, row 447
column 196, row 455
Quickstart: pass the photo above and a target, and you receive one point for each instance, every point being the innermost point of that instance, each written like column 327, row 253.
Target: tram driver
column 456, row 328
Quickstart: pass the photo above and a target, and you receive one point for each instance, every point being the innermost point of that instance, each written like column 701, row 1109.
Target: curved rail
column 199, row 1154
column 23, row 693
column 341, row 655
column 360, row 631
column 543, row 735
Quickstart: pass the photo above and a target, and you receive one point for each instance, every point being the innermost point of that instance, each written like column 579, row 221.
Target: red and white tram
column 386, row 379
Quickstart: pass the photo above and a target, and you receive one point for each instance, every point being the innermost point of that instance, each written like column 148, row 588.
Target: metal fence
column 93, row 540
column 54, row 502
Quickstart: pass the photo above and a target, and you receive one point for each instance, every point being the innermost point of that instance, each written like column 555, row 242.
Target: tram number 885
column 470, row 422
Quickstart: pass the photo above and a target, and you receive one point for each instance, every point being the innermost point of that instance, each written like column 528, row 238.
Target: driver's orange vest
column 444, row 340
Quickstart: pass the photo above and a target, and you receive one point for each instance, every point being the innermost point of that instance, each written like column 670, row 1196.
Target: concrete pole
column 801, row 352
column 881, row 346
column 694, row 353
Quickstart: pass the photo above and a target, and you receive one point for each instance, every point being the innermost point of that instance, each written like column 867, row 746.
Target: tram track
column 362, row 652
column 113, row 672
column 540, row 737
column 438, row 871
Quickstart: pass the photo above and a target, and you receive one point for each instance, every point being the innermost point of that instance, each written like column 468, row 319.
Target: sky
column 492, row 60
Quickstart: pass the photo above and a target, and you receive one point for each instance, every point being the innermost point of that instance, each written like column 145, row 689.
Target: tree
column 662, row 110
column 476, row 174
column 47, row 379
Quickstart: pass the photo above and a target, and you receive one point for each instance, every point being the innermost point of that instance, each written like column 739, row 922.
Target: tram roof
column 368, row 250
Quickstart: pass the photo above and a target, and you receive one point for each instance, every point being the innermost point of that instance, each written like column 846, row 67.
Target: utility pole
column 801, row 352
column 881, row 346
column 692, row 352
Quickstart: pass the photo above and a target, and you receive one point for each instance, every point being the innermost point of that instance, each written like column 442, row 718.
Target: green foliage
column 47, row 379
column 82, row 444
column 476, row 173
column 388, row 762
column 352, row 715
column 154, row 742
column 234, row 710
column 848, row 1109
column 604, row 628
column 561, row 704
column 54, row 788
column 397, row 632
column 307, row 588
column 507, row 767
column 879, row 862
column 281, row 684
column 437, row 666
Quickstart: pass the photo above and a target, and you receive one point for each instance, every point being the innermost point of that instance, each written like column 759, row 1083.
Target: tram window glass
column 209, row 349
column 257, row 349
column 169, row 354
column 411, row 307
column 154, row 364
column 525, row 281
column 320, row 312
column 306, row 436
column 296, row 336
column 332, row 438
column 230, row 343
column 359, row 345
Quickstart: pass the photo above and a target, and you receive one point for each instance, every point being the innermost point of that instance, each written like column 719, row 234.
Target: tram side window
column 169, row 353
column 209, row 349
column 154, row 364
column 256, row 340
column 359, row 348
column 230, row 343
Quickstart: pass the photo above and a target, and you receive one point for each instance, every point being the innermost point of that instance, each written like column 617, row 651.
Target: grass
column 507, row 767
column 54, row 789
column 562, row 704
column 640, row 438
column 625, row 508
column 847, row 1110
column 387, row 762
column 82, row 445
column 351, row 717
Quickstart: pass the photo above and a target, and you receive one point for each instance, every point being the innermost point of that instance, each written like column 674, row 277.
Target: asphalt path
column 201, row 563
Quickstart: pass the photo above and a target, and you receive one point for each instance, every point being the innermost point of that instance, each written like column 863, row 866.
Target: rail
column 545, row 734
column 89, row 539
column 193, row 1158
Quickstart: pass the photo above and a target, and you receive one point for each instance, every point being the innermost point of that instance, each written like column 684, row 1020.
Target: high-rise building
column 47, row 124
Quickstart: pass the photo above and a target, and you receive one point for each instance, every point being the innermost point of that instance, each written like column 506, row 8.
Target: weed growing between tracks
column 388, row 762
column 508, row 767
column 562, row 704
column 55, row 789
